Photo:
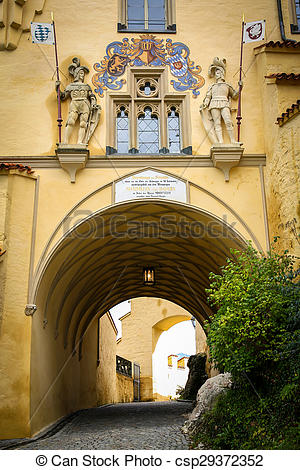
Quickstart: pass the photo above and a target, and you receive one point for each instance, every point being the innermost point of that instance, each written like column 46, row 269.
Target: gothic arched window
column 122, row 128
column 174, row 129
column 147, row 118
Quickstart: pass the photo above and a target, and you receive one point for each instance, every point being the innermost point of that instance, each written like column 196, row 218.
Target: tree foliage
column 255, row 335
column 257, row 319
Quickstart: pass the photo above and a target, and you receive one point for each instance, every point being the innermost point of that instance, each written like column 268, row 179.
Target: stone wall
column 283, row 186
column 282, row 175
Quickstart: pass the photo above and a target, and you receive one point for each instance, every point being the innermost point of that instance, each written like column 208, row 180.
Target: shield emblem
column 178, row 65
column 255, row 31
column 41, row 33
column 117, row 64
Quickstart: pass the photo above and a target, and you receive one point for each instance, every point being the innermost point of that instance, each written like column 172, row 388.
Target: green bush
column 257, row 319
column 255, row 335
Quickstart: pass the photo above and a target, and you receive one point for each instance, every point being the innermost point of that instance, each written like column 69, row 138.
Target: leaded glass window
column 174, row 130
column 122, row 130
column 147, row 118
column 148, row 131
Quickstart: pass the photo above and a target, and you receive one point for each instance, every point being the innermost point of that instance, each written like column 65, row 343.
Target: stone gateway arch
column 97, row 264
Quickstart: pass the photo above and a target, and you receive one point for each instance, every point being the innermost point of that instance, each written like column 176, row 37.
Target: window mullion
column 163, row 128
column 133, row 128
column 146, row 11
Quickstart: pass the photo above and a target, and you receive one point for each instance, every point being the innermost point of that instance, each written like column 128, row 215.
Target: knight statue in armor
column 83, row 104
column 217, row 102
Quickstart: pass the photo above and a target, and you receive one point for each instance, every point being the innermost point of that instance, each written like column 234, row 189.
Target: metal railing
column 123, row 366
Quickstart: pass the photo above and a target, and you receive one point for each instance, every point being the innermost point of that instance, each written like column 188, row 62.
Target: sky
column 178, row 339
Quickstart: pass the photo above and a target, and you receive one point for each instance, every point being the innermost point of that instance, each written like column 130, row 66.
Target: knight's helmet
column 75, row 68
column 218, row 64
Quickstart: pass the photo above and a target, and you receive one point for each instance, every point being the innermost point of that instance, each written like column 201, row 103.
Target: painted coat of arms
column 147, row 50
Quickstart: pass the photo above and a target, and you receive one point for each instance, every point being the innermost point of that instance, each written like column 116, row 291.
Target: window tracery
column 148, row 119
column 147, row 87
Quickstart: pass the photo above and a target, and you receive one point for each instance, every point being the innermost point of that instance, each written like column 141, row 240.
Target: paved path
column 153, row 425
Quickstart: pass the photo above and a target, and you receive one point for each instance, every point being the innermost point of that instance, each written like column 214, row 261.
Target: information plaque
column 150, row 184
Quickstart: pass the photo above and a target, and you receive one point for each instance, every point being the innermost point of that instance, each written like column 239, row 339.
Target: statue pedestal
column 72, row 157
column 226, row 156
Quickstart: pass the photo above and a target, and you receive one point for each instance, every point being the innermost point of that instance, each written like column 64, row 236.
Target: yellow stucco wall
column 201, row 345
column 107, row 386
column 16, row 195
column 124, row 389
column 28, row 129
column 16, row 212
column 34, row 105
column 61, row 383
column 85, row 34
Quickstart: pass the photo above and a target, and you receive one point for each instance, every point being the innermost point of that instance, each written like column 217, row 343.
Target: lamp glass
column 149, row 276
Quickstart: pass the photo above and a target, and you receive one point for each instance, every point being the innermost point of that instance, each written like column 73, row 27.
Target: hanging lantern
column 148, row 276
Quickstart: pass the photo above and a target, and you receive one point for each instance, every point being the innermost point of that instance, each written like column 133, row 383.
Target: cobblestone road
column 154, row 425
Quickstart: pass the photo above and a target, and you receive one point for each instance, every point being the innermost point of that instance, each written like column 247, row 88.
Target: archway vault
column 99, row 263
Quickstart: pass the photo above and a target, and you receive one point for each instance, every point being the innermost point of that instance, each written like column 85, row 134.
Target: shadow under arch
column 99, row 263
column 59, row 229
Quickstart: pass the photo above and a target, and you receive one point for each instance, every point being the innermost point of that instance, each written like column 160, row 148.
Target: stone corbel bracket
column 72, row 157
column 30, row 310
column 226, row 156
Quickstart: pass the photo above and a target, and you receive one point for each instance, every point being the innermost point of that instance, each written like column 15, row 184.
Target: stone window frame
column 295, row 18
column 163, row 99
column 170, row 9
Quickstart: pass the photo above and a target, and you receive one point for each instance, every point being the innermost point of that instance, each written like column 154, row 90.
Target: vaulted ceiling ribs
column 100, row 263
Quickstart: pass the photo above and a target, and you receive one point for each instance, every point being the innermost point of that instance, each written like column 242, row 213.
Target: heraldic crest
column 147, row 50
